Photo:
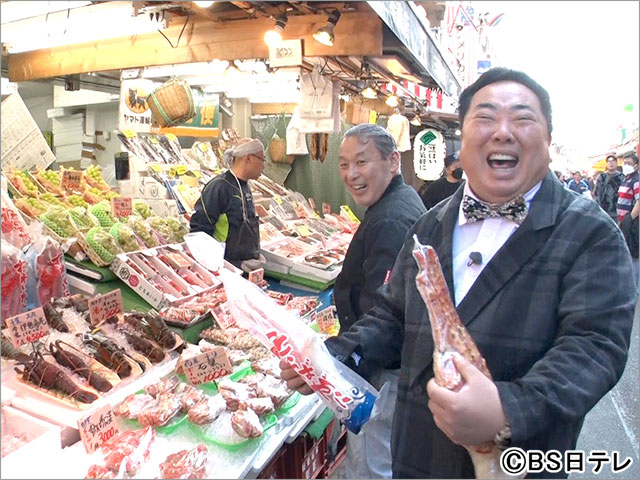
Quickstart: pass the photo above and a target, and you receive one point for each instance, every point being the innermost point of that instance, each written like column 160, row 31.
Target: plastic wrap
column 47, row 277
column 14, row 281
column 14, row 229
column 347, row 394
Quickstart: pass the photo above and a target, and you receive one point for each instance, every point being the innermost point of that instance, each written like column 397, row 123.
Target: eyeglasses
column 262, row 159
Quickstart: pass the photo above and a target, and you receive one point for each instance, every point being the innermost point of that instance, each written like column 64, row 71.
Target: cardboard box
column 164, row 208
column 41, row 436
column 149, row 188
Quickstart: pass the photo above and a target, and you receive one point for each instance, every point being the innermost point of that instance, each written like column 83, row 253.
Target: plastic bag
column 14, row 228
column 14, row 281
column 347, row 394
column 47, row 273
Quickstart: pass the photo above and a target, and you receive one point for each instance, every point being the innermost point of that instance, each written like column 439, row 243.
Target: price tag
column 278, row 200
column 156, row 168
column 300, row 211
column 121, row 207
column 326, row 208
column 27, row 327
column 178, row 260
column 98, row 428
column 346, row 212
column 171, row 137
column 197, row 173
column 312, row 202
column 71, row 179
column 222, row 316
column 204, row 147
column 303, row 230
column 325, row 319
column 129, row 133
column 105, row 306
column 207, row 367
column 257, row 276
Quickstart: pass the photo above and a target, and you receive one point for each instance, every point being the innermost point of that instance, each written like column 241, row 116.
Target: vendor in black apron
column 225, row 208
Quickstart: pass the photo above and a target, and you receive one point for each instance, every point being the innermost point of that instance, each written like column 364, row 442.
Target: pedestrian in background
column 606, row 189
column 449, row 181
column 628, row 195
column 577, row 184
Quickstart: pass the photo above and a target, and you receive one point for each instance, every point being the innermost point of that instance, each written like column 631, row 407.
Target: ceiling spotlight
column 416, row 121
column 273, row 37
column 325, row 34
column 369, row 92
column 203, row 4
column 392, row 101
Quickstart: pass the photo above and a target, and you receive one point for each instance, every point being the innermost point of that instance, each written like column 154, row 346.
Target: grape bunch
column 82, row 218
column 142, row 208
column 178, row 230
column 111, row 194
column 140, row 227
column 50, row 176
column 125, row 237
column 102, row 211
column 59, row 220
column 21, row 181
column 31, row 206
column 77, row 201
column 103, row 244
column 94, row 177
column 51, row 199
column 92, row 195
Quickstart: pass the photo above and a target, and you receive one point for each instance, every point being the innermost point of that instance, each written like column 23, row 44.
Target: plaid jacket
column 548, row 313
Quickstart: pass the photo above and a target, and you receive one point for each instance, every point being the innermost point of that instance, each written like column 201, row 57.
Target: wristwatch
column 503, row 437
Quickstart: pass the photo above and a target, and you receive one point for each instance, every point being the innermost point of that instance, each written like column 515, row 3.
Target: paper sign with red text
column 98, row 428
column 27, row 327
column 105, row 306
column 207, row 367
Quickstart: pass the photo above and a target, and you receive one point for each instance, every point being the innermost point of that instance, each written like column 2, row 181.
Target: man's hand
column 294, row 381
column 634, row 211
column 473, row 414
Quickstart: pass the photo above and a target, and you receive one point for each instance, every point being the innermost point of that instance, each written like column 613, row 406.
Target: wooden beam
column 272, row 108
column 356, row 34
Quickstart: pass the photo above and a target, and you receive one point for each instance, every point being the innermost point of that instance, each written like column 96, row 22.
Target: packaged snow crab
column 47, row 274
column 349, row 396
column 14, row 281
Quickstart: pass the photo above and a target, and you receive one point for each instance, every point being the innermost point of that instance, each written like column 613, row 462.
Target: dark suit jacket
column 551, row 313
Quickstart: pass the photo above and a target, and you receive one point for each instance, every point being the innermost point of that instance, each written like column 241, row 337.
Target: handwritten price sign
column 222, row 316
column 207, row 367
column 257, row 276
column 27, row 327
column 325, row 319
column 105, row 306
column 121, row 206
column 98, row 428
column 71, row 180
column 326, row 208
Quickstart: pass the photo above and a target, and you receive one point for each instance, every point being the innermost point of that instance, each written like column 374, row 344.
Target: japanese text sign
column 325, row 319
column 121, row 207
column 207, row 367
column 27, row 327
column 257, row 276
column 98, row 428
column 222, row 316
column 71, row 180
column 105, row 306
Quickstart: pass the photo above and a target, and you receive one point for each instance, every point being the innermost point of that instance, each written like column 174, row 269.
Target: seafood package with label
column 349, row 396
column 14, row 229
column 14, row 281
column 47, row 273
column 186, row 464
column 124, row 454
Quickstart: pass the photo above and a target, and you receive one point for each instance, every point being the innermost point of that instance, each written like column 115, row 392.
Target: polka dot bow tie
column 475, row 210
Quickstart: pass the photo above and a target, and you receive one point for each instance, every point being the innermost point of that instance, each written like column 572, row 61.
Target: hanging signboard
column 134, row 113
column 429, row 150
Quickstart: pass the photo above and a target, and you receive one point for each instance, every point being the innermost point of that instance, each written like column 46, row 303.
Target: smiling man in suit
column 554, row 335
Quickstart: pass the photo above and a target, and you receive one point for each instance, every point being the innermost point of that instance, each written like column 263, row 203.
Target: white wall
column 105, row 119
column 38, row 107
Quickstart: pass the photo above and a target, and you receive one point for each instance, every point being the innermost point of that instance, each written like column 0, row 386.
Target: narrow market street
column 613, row 423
